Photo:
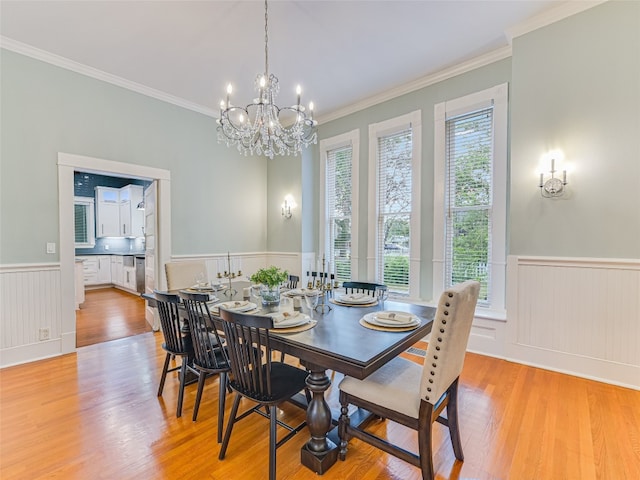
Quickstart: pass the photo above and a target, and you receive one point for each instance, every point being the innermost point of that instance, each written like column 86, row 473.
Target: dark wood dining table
column 339, row 342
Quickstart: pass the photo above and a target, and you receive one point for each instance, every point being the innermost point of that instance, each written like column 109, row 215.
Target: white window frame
column 89, row 208
column 352, row 139
column 498, row 97
column 411, row 120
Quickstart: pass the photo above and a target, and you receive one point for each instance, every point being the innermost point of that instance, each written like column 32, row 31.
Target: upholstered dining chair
column 209, row 354
column 373, row 289
column 176, row 343
column 184, row 274
column 415, row 395
column 255, row 376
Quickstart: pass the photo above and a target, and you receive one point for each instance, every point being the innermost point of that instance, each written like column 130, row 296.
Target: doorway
column 67, row 165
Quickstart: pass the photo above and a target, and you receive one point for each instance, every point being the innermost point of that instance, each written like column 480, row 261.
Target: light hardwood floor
column 95, row 415
column 109, row 314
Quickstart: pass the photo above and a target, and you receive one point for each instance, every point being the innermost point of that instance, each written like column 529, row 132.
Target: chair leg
column 164, row 374
column 201, row 379
column 452, row 416
column 425, row 449
column 343, row 423
column 221, row 401
column 272, row 441
column 183, row 376
column 232, row 420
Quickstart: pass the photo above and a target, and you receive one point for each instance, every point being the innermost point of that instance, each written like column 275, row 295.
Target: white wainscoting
column 30, row 299
column 576, row 315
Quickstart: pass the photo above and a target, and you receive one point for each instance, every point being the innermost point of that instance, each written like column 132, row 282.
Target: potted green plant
column 270, row 279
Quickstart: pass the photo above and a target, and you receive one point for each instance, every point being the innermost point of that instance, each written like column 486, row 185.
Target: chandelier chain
column 266, row 41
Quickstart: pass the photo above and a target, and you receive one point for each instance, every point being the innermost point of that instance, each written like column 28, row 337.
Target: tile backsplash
column 114, row 246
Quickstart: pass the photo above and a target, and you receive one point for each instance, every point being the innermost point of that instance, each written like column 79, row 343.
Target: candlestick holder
column 325, row 289
column 229, row 275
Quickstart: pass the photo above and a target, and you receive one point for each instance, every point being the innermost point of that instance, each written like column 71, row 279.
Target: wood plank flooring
column 95, row 415
column 109, row 314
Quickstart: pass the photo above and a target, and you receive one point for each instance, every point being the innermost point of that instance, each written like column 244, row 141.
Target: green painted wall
column 576, row 87
column 46, row 110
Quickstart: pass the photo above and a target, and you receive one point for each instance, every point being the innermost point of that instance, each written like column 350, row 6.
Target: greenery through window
column 394, row 209
column 339, row 205
column 469, row 140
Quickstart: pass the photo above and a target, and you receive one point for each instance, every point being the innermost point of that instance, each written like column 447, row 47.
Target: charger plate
column 370, row 326
column 299, row 328
column 357, row 305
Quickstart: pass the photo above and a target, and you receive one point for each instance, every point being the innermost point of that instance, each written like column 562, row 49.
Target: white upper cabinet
column 108, row 212
column 117, row 212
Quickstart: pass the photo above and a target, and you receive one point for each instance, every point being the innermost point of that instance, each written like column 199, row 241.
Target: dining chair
column 185, row 274
column 293, row 281
column 210, row 355
column 373, row 289
column 176, row 343
column 414, row 395
column 255, row 376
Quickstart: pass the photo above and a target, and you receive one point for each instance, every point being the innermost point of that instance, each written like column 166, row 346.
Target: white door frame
column 67, row 165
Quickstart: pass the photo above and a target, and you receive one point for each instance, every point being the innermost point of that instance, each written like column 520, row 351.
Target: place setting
column 355, row 300
column 390, row 321
column 292, row 321
column 241, row 306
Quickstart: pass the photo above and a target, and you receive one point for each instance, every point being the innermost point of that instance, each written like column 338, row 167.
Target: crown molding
column 550, row 16
column 57, row 60
column 477, row 62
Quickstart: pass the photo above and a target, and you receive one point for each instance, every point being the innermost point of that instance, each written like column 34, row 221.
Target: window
column 394, row 222
column 470, row 205
column 84, row 223
column 339, row 173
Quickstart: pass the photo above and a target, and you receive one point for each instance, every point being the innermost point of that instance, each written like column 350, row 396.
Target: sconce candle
column 553, row 187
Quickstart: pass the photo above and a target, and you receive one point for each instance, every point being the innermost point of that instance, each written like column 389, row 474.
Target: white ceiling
column 341, row 52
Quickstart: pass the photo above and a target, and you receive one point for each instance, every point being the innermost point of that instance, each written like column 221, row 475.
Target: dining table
column 341, row 341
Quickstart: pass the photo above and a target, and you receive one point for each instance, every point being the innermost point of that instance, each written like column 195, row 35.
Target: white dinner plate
column 373, row 319
column 356, row 299
column 296, row 321
column 239, row 306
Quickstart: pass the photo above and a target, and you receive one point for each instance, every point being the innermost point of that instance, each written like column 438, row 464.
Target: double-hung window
column 84, row 222
column 470, row 194
column 339, row 193
column 394, row 203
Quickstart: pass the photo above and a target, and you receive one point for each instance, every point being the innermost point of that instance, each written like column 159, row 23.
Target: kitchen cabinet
column 79, row 282
column 96, row 269
column 129, row 278
column 107, row 212
column 116, row 270
column 117, row 211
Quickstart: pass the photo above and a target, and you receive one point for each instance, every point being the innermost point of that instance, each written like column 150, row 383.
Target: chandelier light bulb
column 263, row 81
column 241, row 118
column 229, row 89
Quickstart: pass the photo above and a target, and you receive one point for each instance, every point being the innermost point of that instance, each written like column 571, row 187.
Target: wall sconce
column 287, row 205
column 553, row 187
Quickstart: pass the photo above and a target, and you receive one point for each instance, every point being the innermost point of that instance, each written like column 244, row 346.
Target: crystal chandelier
column 262, row 127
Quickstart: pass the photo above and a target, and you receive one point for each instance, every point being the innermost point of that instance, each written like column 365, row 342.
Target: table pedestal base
column 319, row 462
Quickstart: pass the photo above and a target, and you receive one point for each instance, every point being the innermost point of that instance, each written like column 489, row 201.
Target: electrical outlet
column 44, row 334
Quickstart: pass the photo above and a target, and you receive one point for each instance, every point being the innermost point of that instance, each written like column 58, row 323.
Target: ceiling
column 341, row 52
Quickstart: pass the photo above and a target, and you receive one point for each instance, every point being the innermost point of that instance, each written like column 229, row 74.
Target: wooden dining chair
column 415, row 395
column 373, row 289
column 210, row 356
column 293, row 281
column 176, row 343
column 184, row 274
column 255, row 376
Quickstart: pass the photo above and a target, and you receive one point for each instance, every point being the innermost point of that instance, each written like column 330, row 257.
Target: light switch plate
column 51, row 248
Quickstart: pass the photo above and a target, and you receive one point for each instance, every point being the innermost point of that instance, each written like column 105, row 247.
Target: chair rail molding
column 576, row 315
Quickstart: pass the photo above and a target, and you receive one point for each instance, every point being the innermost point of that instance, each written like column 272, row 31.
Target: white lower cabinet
column 130, row 278
column 116, row 270
column 96, row 269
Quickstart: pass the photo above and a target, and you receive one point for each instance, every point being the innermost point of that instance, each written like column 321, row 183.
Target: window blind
column 469, row 156
column 80, row 221
column 394, row 210
column 339, row 200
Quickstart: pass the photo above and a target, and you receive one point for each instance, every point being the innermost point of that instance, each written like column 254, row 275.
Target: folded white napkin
column 286, row 318
column 356, row 298
column 234, row 305
column 395, row 317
